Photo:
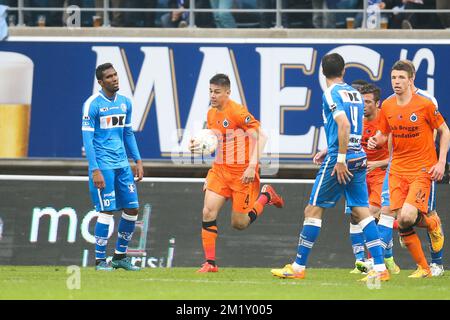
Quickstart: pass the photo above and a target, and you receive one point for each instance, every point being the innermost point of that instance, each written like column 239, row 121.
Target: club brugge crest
column 413, row 117
column 225, row 123
column 123, row 106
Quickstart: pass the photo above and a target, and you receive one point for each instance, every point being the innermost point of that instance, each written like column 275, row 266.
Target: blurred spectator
column 247, row 19
column 340, row 18
column 320, row 19
column 268, row 19
column 408, row 20
column 223, row 19
column 47, row 18
column 137, row 19
column 11, row 15
column 445, row 17
column 180, row 16
column 3, row 25
column 297, row 19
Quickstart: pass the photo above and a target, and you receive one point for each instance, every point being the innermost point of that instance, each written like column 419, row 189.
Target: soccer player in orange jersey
column 411, row 119
column 437, row 268
column 234, row 174
column 377, row 162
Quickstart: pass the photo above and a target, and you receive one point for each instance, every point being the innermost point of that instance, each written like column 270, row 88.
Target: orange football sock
column 430, row 223
column 412, row 242
column 209, row 236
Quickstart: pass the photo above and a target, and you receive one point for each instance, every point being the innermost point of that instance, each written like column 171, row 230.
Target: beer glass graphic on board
column 16, row 86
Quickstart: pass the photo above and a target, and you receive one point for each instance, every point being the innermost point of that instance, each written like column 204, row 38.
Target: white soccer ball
column 205, row 142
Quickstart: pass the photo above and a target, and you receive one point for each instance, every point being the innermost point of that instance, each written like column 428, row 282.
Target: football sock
column 436, row 257
column 125, row 232
column 258, row 207
column 412, row 242
column 209, row 236
column 309, row 234
column 385, row 225
column 101, row 235
column 388, row 251
column 357, row 239
column 373, row 242
column 423, row 221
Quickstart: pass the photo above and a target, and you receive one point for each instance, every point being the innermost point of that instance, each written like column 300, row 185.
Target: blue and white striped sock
column 357, row 239
column 101, row 234
column 385, row 225
column 309, row 234
column 373, row 242
column 125, row 232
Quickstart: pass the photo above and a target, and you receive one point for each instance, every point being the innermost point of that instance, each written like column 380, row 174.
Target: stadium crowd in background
column 177, row 11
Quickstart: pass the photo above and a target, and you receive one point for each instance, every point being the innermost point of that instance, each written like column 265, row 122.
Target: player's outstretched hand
column 97, row 178
column 139, row 171
column 342, row 173
column 437, row 171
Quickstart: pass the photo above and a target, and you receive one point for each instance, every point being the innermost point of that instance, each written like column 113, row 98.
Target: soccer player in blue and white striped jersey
column 343, row 172
column 106, row 128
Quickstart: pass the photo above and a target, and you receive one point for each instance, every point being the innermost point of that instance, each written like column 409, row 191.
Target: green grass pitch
column 45, row 282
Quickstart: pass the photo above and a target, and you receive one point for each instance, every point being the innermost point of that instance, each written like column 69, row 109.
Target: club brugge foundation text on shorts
column 225, row 309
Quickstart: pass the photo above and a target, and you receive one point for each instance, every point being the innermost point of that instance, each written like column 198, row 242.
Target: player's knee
column 131, row 212
column 208, row 214
column 239, row 225
column 406, row 221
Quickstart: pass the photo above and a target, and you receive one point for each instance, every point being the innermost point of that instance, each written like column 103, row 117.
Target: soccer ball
column 205, row 141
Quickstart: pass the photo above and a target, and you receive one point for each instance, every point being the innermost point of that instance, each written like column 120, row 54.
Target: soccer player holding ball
column 234, row 174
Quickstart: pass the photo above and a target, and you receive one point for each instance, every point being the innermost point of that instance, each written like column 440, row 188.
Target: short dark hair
column 410, row 63
column 402, row 65
column 333, row 65
column 221, row 80
column 356, row 84
column 371, row 88
column 101, row 68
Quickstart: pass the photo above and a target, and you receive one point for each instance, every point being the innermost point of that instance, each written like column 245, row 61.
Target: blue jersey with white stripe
column 106, row 128
column 343, row 99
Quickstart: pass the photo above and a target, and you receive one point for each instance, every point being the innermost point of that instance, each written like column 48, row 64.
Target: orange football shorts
column 412, row 189
column 229, row 185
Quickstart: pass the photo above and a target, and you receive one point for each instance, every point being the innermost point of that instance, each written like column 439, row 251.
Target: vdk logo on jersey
column 413, row 117
column 112, row 121
column 350, row 96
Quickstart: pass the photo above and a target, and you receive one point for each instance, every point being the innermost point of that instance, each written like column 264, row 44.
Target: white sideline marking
column 188, row 180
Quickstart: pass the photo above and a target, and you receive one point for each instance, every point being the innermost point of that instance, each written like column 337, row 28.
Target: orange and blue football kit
column 233, row 125
column 233, row 154
column 413, row 156
column 375, row 178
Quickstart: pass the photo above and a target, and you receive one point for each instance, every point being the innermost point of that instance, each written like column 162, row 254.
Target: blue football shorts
column 119, row 193
column 327, row 191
